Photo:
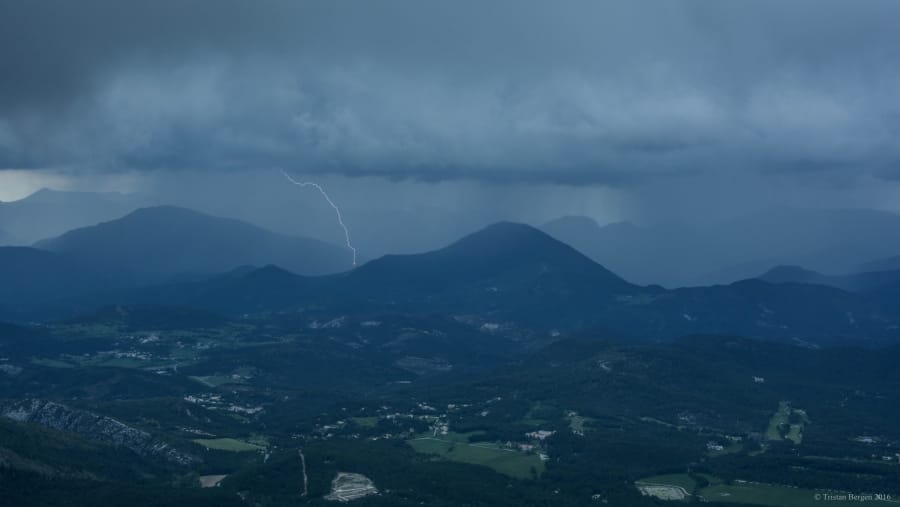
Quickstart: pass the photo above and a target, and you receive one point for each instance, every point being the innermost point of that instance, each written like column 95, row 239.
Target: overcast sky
column 620, row 110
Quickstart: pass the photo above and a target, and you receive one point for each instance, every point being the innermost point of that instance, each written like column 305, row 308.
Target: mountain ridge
column 863, row 282
column 165, row 241
column 496, row 248
column 48, row 213
column 515, row 274
column 727, row 250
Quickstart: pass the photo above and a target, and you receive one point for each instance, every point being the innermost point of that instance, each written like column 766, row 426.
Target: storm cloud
column 622, row 94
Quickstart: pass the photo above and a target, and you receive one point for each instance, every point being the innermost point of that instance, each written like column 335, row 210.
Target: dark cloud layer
column 573, row 92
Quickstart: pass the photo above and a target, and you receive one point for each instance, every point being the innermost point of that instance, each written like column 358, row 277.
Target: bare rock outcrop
column 91, row 426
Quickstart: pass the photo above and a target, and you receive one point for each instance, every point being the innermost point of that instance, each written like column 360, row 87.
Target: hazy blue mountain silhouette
column 515, row 273
column 161, row 242
column 856, row 282
column 47, row 213
column 825, row 240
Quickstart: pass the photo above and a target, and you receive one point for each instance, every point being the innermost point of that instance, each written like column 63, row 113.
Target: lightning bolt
column 337, row 210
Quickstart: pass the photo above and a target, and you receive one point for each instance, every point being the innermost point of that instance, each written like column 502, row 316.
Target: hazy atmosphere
column 272, row 253
column 425, row 121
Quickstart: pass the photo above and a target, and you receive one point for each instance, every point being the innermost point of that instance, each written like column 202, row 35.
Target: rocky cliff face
column 93, row 427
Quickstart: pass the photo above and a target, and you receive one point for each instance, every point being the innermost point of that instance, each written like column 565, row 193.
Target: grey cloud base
column 573, row 93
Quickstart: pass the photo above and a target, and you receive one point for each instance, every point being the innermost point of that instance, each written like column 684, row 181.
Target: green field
column 506, row 461
column 778, row 496
column 754, row 493
column 107, row 361
column 217, row 380
column 52, row 363
column 227, row 444
column 365, row 422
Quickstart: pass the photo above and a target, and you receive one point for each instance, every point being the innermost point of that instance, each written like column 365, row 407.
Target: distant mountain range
column 48, row 213
column 858, row 282
column 886, row 264
column 503, row 269
column 515, row 275
column 503, row 257
column 158, row 243
column 830, row 241
column 149, row 246
column 882, row 286
column 673, row 255
column 506, row 275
